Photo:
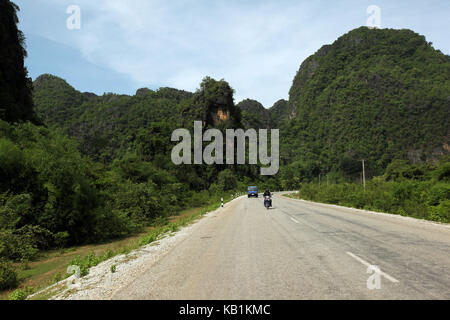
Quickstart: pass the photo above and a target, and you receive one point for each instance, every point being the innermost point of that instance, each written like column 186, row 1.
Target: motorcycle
column 267, row 202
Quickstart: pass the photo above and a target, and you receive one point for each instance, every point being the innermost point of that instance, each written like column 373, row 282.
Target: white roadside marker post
column 221, row 199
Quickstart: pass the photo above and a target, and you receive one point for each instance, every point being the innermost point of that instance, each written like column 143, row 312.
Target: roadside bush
column 227, row 179
column 37, row 236
column 8, row 277
column 443, row 173
column 438, row 193
column 402, row 191
column 108, row 254
column 215, row 188
column 415, row 209
column 426, row 199
column 61, row 239
column 13, row 168
column 57, row 277
column 159, row 221
column 21, row 294
column 16, row 247
column 198, row 199
column 148, row 238
column 14, row 209
column 138, row 202
column 441, row 213
column 91, row 260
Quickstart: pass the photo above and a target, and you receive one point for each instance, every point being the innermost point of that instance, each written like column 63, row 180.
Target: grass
column 52, row 265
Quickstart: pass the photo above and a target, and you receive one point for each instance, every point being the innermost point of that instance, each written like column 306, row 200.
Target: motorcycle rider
column 267, row 193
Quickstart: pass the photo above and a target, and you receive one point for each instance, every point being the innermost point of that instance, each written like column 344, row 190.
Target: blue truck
column 252, row 191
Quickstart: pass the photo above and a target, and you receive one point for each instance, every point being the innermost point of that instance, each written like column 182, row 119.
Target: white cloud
column 257, row 46
column 162, row 43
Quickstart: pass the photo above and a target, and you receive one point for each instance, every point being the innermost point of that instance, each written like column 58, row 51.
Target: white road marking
column 390, row 278
column 294, row 220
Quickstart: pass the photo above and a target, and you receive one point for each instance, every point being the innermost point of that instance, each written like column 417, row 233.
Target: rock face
column 16, row 104
column 217, row 115
column 222, row 115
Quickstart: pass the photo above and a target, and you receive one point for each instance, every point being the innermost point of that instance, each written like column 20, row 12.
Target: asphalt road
column 300, row 250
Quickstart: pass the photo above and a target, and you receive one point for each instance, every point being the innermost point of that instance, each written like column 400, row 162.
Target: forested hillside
column 106, row 126
column 279, row 113
column 254, row 115
column 377, row 95
column 373, row 94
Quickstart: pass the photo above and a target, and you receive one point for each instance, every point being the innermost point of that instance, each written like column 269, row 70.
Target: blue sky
column 257, row 46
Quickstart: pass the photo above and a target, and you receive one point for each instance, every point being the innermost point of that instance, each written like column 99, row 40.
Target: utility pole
column 364, row 175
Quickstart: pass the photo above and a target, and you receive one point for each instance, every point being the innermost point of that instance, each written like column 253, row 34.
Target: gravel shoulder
column 101, row 283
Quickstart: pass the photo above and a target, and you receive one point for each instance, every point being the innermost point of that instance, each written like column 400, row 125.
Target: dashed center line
column 294, row 220
column 367, row 264
column 390, row 278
